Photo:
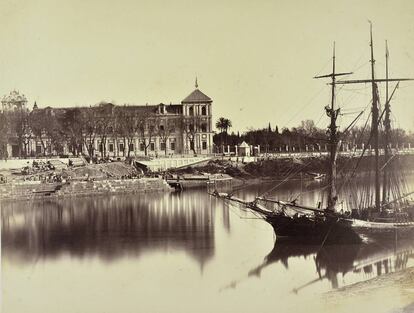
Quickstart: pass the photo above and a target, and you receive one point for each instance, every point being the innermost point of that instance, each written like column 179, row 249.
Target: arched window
column 203, row 127
column 203, row 111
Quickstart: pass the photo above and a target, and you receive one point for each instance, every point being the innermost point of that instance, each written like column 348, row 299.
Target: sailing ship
column 384, row 219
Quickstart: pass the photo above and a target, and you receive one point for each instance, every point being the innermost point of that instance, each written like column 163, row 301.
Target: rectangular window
column 152, row 146
column 172, row 145
column 131, row 147
column 204, row 145
column 142, row 146
column 192, row 145
column 38, row 149
column 121, row 147
column 163, row 146
column 111, row 147
column 100, row 148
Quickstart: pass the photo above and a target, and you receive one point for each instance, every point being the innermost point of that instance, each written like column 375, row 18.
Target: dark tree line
column 305, row 136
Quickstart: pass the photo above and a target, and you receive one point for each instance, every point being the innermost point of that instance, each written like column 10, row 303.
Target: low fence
column 314, row 154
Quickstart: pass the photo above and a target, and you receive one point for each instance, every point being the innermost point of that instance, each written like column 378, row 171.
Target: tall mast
column 374, row 126
column 333, row 136
column 387, row 126
column 375, row 113
column 333, row 141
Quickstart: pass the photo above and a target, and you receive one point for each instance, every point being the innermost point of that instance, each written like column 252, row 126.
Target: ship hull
column 334, row 230
column 313, row 231
column 323, row 227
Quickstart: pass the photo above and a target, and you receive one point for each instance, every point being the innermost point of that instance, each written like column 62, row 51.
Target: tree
column 165, row 127
column 4, row 134
column 191, row 125
column 304, row 135
column 125, row 127
column 89, row 123
column 104, row 113
column 147, row 127
column 220, row 124
column 55, row 138
column 398, row 136
column 223, row 124
column 70, row 123
column 43, row 125
column 19, row 127
column 308, row 127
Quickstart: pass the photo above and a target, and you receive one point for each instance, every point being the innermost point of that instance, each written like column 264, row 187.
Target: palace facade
column 109, row 130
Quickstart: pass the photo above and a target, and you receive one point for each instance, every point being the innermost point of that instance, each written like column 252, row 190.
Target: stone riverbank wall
column 36, row 190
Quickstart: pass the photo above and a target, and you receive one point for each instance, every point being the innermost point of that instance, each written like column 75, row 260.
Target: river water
column 171, row 252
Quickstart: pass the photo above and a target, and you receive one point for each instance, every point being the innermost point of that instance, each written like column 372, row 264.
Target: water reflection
column 109, row 227
column 332, row 262
column 157, row 243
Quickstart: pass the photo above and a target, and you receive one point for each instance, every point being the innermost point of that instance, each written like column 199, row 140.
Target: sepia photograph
column 207, row 156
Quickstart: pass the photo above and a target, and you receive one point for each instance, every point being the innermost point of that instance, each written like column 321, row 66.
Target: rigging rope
column 363, row 151
column 285, row 180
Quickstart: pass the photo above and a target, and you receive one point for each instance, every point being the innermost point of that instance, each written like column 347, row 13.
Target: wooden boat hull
column 321, row 227
column 334, row 230
column 313, row 230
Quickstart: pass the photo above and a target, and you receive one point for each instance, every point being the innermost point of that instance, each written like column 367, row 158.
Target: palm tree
column 220, row 124
column 228, row 125
column 223, row 124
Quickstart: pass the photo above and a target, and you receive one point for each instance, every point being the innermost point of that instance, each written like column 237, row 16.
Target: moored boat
column 372, row 219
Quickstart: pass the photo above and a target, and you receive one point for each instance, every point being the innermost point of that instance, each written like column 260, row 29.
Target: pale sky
column 255, row 59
